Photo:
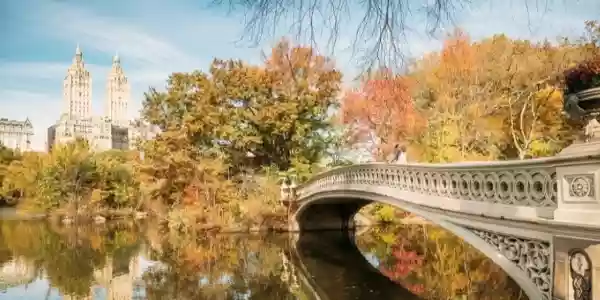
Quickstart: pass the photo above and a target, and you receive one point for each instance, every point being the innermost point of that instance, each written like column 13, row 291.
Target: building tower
column 117, row 93
column 77, row 89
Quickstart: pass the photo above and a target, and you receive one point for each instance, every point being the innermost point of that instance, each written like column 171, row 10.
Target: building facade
column 77, row 89
column 113, row 130
column 16, row 134
column 97, row 131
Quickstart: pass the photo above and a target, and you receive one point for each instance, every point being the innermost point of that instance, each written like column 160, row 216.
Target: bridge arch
column 525, row 260
column 512, row 211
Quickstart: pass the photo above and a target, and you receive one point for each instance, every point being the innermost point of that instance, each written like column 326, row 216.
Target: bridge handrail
column 530, row 182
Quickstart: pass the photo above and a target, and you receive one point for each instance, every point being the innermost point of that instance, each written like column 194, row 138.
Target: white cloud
column 51, row 71
column 107, row 34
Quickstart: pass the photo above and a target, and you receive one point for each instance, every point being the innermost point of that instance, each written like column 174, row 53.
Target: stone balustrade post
column 285, row 191
column 579, row 182
column 579, row 192
column 293, row 186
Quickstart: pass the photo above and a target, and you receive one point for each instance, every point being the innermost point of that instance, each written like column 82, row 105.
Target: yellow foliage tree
column 498, row 98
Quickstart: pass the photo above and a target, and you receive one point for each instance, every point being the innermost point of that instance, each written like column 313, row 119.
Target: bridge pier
column 576, row 269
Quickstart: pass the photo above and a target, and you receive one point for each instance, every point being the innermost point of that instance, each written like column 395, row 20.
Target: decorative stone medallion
column 581, row 186
column 581, row 274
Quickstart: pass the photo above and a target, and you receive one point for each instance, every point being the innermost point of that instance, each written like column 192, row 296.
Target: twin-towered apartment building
column 113, row 130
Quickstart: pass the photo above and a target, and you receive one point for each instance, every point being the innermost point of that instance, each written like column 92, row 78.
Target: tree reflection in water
column 68, row 257
column 435, row 264
column 83, row 260
column 218, row 267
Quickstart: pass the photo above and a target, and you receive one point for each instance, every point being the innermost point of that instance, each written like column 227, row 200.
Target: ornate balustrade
column 513, row 211
column 534, row 183
column 513, row 183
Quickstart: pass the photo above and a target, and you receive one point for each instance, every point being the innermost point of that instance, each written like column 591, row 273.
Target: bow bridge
column 538, row 219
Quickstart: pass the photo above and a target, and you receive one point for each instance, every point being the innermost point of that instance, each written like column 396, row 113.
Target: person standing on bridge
column 399, row 155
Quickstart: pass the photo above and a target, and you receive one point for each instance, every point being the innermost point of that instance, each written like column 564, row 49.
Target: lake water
column 129, row 261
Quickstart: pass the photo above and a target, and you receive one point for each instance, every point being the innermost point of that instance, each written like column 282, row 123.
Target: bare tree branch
column 380, row 36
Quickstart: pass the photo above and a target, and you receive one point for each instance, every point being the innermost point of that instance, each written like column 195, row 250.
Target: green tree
column 72, row 177
column 7, row 156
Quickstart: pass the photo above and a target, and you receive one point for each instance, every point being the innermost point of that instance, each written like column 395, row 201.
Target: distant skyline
column 155, row 38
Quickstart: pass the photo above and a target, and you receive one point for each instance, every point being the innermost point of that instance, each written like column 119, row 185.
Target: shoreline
column 107, row 216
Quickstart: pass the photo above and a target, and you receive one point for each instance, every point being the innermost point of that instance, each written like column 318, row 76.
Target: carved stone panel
column 534, row 257
column 581, row 186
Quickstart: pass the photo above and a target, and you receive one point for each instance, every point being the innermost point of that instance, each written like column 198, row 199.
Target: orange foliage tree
column 498, row 98
column 454, row 89
column 492, row 99
column 380, row 113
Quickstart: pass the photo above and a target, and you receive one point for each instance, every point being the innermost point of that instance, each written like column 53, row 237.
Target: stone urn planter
column 582, row 103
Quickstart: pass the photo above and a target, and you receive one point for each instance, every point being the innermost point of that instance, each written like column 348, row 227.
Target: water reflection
column 219, row 267
column 435, row 264
column 128, row 261
column 340, row 271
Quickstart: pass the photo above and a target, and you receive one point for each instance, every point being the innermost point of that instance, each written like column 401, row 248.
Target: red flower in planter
column 584, row 76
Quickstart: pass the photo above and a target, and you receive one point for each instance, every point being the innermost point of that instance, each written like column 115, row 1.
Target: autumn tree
column 380, row 112
column 452, row 90
column 532, row 95
column 493, row 99
column 255, row 116
column 284, row 106
column 497, row 98
column 73, row 177
column 236, row 118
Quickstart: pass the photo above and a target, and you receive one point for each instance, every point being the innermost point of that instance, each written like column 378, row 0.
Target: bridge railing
column 515, row 183
column 534, row 183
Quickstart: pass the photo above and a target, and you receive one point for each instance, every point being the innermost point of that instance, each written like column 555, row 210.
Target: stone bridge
column 538, row 219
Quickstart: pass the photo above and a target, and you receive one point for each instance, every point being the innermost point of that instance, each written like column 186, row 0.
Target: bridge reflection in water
column 330, row 266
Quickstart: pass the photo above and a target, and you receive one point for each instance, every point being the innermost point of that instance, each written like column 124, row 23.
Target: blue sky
column 154, row 38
